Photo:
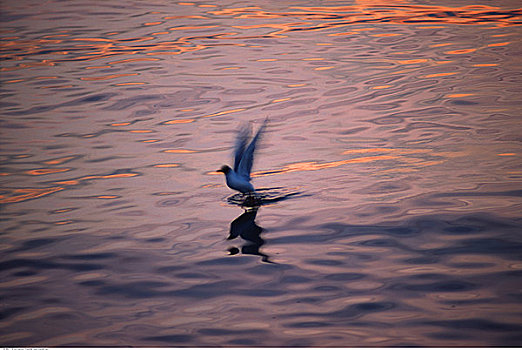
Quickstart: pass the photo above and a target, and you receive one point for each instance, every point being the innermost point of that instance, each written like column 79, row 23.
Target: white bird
column 239, row 178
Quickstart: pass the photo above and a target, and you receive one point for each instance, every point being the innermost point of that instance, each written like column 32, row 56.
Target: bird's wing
column 245, row 165
column 241, row 141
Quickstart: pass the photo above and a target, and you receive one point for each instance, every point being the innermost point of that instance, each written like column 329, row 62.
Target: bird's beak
column 219, row 171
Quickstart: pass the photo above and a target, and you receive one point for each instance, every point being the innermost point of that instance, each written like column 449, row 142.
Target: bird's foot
column 252, row 200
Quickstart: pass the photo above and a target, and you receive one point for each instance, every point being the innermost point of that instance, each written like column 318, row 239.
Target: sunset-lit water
column 390, row 170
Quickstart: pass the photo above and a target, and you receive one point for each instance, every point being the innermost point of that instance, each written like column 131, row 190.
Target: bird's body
column 239, row 178
column 236, row 181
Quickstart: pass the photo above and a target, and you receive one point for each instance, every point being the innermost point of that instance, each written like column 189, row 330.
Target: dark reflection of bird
column 239, row 178
column 245, row 227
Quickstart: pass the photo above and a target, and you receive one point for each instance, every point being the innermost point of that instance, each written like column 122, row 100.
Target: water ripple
column 388, row 182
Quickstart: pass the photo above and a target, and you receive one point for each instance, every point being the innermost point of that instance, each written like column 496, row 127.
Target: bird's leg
column 251, row 200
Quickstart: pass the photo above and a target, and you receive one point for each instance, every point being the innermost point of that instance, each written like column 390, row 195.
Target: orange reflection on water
column 500, row 44
column 59, row 211
column 179, row 121
column 459, row 95
column 342, row 34
column 24, row 194
column 440, row 45
column 173, row 165
column 141, row 131
column 107, row 77
column 127, row 84
column 379, row 87
column 46, row 171
column 369, row 11
column 436, row 75
column 385, row 35
column 281, row 100
column 68, row 182
column 94, row 177
column 412, row 61
column 28, row 65
column 295, row 19
column 113, row 176
column 389, row 153
column 64, row 222
column 98, row 67
column 307, row 166
column 224, row 112
column 59, row 160
column 460, row 52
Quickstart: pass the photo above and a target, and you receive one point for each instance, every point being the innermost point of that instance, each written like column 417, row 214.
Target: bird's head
column 225, row 169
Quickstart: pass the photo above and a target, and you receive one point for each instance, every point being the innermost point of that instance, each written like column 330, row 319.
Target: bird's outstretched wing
column 241, row 142
column 245, row 164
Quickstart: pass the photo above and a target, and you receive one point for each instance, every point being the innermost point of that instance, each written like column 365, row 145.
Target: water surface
column 391, row 166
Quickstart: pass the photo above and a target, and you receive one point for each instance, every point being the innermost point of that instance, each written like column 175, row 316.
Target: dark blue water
column 389, row 174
